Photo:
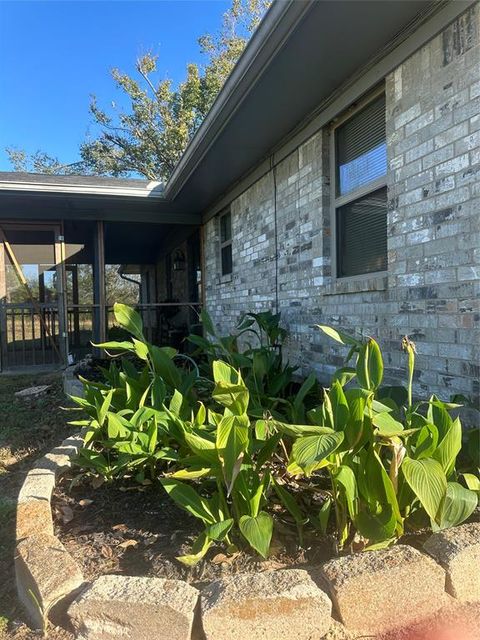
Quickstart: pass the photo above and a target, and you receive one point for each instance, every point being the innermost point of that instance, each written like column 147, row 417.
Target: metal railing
column 165, row 323
column 28, row 333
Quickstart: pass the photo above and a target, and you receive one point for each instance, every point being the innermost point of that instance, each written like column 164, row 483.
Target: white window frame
column 338, row 201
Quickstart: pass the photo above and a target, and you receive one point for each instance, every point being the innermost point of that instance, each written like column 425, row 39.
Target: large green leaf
column 339, row 404
column 129, row 319
column 458, row 505
column 188, row 499
column 297, row 430
column 427, row 441
column 202, row 447
column 387, row 426
column 231, row 443
column 355, row 428
column 310, row 450
column 258, row 531
column 223, row 372
column 449, row 447
column 344, row 478
column 115, row 345
column 338, row 336
column 164, row 366
column 370, row 365
column 234, row 397
column 427, row 480
column 438, row 415
column 377, row 527
column 219, row 530
column 472, row 481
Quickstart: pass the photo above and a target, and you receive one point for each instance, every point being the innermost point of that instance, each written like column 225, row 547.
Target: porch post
column 99, row 315
column 3, row 300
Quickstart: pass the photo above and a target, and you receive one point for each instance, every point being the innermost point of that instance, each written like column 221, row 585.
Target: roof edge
column 273, row 30
column 150, row 190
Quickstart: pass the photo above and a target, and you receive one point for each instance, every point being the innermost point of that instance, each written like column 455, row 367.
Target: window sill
column 358, row 284
column 225, row 279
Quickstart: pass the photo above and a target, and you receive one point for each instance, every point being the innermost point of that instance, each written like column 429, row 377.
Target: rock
column 134, row 608
column 33, row 517
column 458, row 551
column 60, row 459
column 47, row 576
column 375, row 591
column 38, row 485
column 272, row 605
column 32, row 393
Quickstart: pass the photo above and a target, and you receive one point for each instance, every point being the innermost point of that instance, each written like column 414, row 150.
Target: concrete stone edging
column 347, row 597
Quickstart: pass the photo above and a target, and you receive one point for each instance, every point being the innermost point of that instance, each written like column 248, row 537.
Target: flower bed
column 229, row 437
column 347, row 597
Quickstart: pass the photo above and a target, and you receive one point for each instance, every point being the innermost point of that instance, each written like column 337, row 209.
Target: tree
column 150, row 137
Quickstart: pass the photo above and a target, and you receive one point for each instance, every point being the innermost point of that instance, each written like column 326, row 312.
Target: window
column 360, row 203
column 226, row 243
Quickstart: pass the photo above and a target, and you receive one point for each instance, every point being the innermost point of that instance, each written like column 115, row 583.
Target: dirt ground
column 27, row 430
column 131, row 530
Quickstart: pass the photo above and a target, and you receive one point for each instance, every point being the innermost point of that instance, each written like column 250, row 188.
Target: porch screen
column 361, row 193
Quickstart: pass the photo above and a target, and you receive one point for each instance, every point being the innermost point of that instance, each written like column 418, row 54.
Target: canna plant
column 230, row 466
column 255, row 349
column 390, row 461
column 126, row 430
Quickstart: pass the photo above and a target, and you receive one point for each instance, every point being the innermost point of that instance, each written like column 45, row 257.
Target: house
column 336, row 179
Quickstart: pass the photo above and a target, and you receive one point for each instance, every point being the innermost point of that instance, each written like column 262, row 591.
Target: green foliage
column 222, row 456
column 392, row 466
column 255, row 348
column 226, row 449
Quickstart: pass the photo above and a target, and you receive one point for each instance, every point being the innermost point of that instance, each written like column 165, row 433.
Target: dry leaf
column 106, row 551
column 128, row 543
column 97, row 481
column 85, row 502
column 119, row 527
column 67, row 514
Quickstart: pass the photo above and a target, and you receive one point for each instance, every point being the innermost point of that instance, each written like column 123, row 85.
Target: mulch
column 139, row 531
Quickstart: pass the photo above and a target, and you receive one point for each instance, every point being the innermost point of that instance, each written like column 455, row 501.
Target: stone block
column 458, row 551
column 33, row 517
column 134, row 608
column 379, row 590
column 47, row 576
column 38, row 485
column 272, row 605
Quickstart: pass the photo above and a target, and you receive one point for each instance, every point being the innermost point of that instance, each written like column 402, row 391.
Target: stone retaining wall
column 361, row 595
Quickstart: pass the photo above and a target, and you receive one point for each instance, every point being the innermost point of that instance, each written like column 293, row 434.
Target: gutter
column 152, row 190
column 272, row 32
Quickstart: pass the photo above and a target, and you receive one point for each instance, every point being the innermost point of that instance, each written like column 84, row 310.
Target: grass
column 27, row 430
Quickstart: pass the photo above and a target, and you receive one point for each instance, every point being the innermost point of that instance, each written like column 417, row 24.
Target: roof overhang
column 303, row 53
column 48, row 197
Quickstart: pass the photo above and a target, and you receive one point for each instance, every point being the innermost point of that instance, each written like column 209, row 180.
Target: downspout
column 275, row 225
column 124, row 277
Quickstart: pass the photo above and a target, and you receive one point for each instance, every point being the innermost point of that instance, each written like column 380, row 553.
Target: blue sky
column 55, row 53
